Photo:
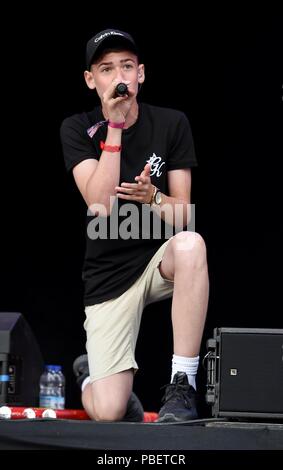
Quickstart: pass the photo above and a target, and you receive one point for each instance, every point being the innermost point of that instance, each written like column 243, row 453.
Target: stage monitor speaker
column 245, row 373
column 21, row 362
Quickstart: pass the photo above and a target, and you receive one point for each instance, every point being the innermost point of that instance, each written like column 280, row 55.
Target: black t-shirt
column 161, row 137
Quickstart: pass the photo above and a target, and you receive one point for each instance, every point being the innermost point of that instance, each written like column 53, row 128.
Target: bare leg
column 106, row 399
column 184, row 261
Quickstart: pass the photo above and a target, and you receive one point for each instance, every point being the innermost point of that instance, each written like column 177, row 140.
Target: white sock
column 185, row 364
column 85, row 382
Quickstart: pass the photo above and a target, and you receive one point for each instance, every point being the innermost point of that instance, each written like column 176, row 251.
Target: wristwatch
column 156, row 197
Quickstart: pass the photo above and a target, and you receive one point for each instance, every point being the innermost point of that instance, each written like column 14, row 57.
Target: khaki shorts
column 112, row 327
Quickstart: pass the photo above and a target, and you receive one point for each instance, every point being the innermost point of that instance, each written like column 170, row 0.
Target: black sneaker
column 134, row 412
column 179, row 401
column 81, row 369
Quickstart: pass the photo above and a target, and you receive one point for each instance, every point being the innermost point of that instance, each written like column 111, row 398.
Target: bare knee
column 106, row 399
column 109, row 411
column 191, row 243
column 102, row 405
column 103, row 408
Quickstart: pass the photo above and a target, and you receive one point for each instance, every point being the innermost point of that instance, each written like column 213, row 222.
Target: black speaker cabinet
column 21, row 362
column 245, row 373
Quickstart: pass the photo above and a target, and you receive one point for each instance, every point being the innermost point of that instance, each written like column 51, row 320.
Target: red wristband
column 110, row 148
column 116, row 125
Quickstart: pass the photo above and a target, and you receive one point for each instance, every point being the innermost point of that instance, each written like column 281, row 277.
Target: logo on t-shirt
column 156, row 164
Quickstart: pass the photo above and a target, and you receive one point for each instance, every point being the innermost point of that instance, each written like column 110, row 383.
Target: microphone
column 121, row 89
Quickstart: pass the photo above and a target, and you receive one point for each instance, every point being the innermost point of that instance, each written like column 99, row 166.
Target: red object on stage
column 21, row 412
column 150, row 417
column 71, row 414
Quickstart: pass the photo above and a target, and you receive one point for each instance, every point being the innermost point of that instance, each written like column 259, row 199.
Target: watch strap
column 153, row 195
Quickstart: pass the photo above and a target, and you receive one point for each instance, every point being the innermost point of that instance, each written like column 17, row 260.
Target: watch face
column 158, row 197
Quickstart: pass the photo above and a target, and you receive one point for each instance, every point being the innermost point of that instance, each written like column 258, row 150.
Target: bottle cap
column 56, row 368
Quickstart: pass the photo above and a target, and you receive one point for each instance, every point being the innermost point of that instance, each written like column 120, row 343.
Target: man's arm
column 96, row 180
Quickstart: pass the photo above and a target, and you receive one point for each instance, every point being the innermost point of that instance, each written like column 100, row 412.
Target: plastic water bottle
column 52, row 388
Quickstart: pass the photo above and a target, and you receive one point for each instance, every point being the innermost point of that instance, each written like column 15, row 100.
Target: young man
column 132, row 158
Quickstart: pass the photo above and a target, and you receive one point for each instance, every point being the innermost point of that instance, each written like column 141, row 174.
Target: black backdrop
column 223, row 70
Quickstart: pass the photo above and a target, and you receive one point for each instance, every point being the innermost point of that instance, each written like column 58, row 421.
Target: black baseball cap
column 106, row 39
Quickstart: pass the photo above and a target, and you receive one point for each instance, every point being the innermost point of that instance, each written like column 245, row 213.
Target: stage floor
column 210, row 435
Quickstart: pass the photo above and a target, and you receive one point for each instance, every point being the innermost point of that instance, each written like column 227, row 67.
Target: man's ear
column 89, row 80
column 141, row 74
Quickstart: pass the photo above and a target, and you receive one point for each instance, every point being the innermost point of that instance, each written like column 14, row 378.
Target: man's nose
column 119, row 74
